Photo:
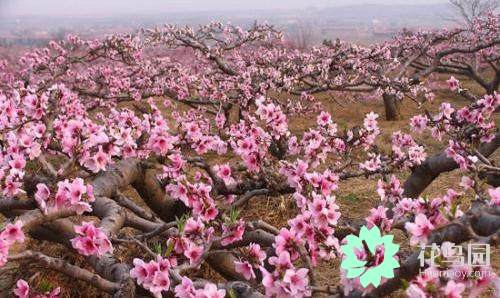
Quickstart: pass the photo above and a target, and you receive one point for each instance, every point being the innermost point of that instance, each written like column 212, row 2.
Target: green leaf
column 405, row 284
column 157, row 248
column 352, row 197
column 170, row 248
column 181, row 222
column 233, row 215
column 45, row 286
column 232, row 293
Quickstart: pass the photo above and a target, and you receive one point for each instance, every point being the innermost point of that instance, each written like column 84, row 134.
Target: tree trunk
column 423, row 175
column 391, row 107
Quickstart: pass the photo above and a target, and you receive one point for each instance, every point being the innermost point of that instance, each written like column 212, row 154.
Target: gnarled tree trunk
column 391, row 105
column 434, row 165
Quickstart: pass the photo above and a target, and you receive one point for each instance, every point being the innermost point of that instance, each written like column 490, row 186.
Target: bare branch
column 68, row 269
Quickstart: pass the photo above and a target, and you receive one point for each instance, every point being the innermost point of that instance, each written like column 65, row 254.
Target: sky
column 116, row 7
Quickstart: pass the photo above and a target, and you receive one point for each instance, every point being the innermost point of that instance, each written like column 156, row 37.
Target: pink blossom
column 161, row 282
column 495, row 196
column 391, row 191
column 430, row 96
column 185, row 289
column 140, row 271
column 286, row 241
column 420, row 229
column 12, row 186
column 92, row 240
column 282, row 262
column 361, row 254
column 252, row 162
column 153, row 276
column 245, row 269
column 84, row 245
column 52, row 294
column 453, row 289
column 299, row 225
column 41, row 196
column 13, row 233
column 429, row 276
column 4, row 252
column 419, row 123
column 232, row 233
column 404, row 206
column 256, row 253
column 174, row 170
column 416, row 154
column 445, row 110
column 373, row 164
column 81, row 207
column 161, row 144
column 22, row 289
column 224, row 172
column 193, row 253
column 71, row 195
column 296, row 280
column 193, row 227
column 466, row 182
column 450, row 196
column 453, row 83
column 324, row 119
column 76, row 190
column 17, row 163
column 487, row 277
column 370, row 122
column 414, row 291
column 379, row 218
column 98, row 162
column 210, row 291
column 220, row 120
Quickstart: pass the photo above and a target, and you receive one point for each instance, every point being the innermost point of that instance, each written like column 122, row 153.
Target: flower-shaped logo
column 370, row 256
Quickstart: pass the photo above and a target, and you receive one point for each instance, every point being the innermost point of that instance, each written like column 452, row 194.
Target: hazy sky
column 108, row 7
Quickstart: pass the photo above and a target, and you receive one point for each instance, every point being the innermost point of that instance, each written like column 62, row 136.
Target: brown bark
column 132, row 206
column 12, row 203
column 423, row 175
column 106, row 184
column 259, row 236
column 68, row 269
column 116, row 177
column 391, row 105
column 106, row 266
column 110, row 268
column 112, row 217
column 111, row 214
column 139, row 223
column 154, row 196
column 223, row 263
column 243, row 290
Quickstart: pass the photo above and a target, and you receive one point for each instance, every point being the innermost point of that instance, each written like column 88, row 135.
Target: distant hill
column 361, row 23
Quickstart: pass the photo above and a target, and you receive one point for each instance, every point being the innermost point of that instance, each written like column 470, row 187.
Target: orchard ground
column 355, row 197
